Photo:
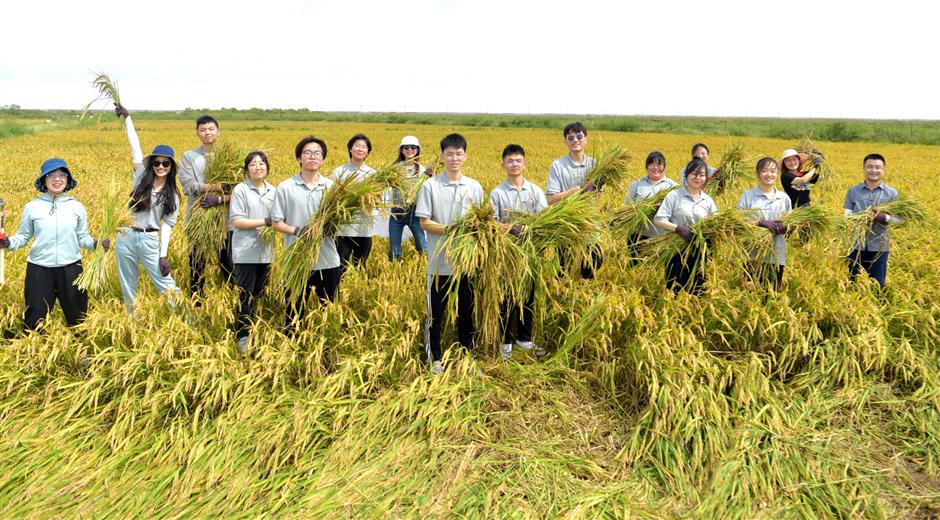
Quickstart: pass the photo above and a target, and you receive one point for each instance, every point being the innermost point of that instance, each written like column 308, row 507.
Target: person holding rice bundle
column 872, row 253
column 58, row 226
column 514, row 197
column 295, row 200
column 403, row 215
column 768, row 205
column 192, row 177
column 154, row 203
column 654, row 182
column 249, row 212
column 442, row 200
column 566, row 176
column 354, row 241
column 795, row 182
column 679, row 211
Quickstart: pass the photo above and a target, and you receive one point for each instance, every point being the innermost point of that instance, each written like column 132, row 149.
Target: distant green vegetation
column 837, row 130
column 10, row 127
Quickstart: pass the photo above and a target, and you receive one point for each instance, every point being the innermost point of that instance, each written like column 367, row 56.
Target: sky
column 753, row 58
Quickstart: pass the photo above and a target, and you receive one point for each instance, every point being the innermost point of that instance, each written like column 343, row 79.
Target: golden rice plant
column 858, row 226
column 610, row 166
column 107, row 89
column 728, row 228
column 733, row 164
column 635, row 216
column 98, row 269
column 207, row 228
column 824, row 169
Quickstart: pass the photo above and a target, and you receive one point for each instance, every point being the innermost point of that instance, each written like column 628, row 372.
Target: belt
column 145, row 230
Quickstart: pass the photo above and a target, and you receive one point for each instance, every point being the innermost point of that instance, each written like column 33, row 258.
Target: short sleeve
column 279, row 209
column 553, row 185
column 423, row 205
column 666, row 208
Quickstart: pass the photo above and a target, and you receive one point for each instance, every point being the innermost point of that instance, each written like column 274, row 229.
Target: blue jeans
column 397, row 222
column 875, row 263
column 132, row 248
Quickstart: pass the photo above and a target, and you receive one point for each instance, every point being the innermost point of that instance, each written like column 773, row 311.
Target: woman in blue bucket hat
column 155, row 202
column 58, row 226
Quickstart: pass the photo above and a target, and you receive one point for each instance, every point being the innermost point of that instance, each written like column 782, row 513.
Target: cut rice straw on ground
column 98, row 273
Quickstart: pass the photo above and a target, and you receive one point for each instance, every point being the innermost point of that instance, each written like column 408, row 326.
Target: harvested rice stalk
column 809, row 221
column 823, row 167
column 733, row 163
column 610, row 167
column 107, row 89
column 207, row 228
column 728, row 228
column 859, row 225
column 636, row 216
column 98, row 273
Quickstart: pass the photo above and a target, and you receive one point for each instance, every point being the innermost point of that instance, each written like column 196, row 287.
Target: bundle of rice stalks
column 732, row 165
column 207, row 228
column 633, row 218
column 395, row 177
column 824, row 169
column 610, row 167
column 482, row 249
column 341, row 203
column 268, row 236
column 98, row 273
column 859, row 225
column 809, row 221
column 567, row 225
column 107, row 89
column 727, row 228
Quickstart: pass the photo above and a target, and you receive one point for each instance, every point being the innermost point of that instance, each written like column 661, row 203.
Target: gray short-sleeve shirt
column 444, row 201
column 362, row 226
column 682, row 210
column 861, row 198
column 294, row 203
column 508, row 200
column 643, row 189
column 565, row 174
column 769, row 206
column 249, row 202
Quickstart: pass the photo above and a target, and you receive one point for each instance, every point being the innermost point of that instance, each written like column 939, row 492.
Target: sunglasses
column 409, row 147
column 166, row 163
column 575, row 137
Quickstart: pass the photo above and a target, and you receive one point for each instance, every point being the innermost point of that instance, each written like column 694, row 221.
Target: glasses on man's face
column 575, row 137
column 164, row 163
column 312, row 153
column 409, row 147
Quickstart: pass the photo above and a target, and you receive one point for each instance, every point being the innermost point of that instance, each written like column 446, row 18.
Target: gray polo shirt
column 769, row 206
column 294, row 203
column 249, row 202
column 643, row 189
column 445, row 201
column 682, row 210
column 192, row 176
column 362, row 224
column 861, row 198
column 565, row 174
column 508, row 200
column 153, row 217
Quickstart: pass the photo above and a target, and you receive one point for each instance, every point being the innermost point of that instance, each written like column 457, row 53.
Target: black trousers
column 875, row 263
column 251, row 280
column 45, row 285
column 324, row 283
column 353, row 250
column 438, row 295
column 686, row 271
column 520, row 321
column 587, row 268
column 197, row 267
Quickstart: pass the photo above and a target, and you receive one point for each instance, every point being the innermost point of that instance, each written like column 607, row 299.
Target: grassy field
column 822, row 401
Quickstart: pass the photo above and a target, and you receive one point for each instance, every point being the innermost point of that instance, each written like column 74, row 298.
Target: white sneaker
column 436, row 368
column 506, row 349
column 540, row 352
column 525, row 345
column 243, row 344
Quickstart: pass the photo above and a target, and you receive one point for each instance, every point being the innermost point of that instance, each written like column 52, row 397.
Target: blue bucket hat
column 50, row 166
column 161, row 150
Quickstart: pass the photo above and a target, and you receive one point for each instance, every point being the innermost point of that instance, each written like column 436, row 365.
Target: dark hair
column 299, row 149
column 573, row 128
column 401, row 156
column 454, row 141
column 140, row 197
column 696, row 146
column 656, row 158
column 352, row 141
column 764, row 162
column 694, row 165
column 513, row 149
column 251, row 156
column 874, row 157
column 206, row 119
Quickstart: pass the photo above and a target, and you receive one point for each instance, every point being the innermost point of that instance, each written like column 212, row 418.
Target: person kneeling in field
column 566, row 176
column 769, row 205
column 872, row 254
column 654, row 182
column 513, row 197
column 250, row 212
column 444, row 199
column 59, row 225
column 354, row 241
column 680, row 210
column 295, row 200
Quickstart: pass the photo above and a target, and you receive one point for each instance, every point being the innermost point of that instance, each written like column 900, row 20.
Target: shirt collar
column 299, row 179
column 447, row 182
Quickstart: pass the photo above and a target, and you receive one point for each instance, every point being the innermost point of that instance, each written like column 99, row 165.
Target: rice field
column 821, row 401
